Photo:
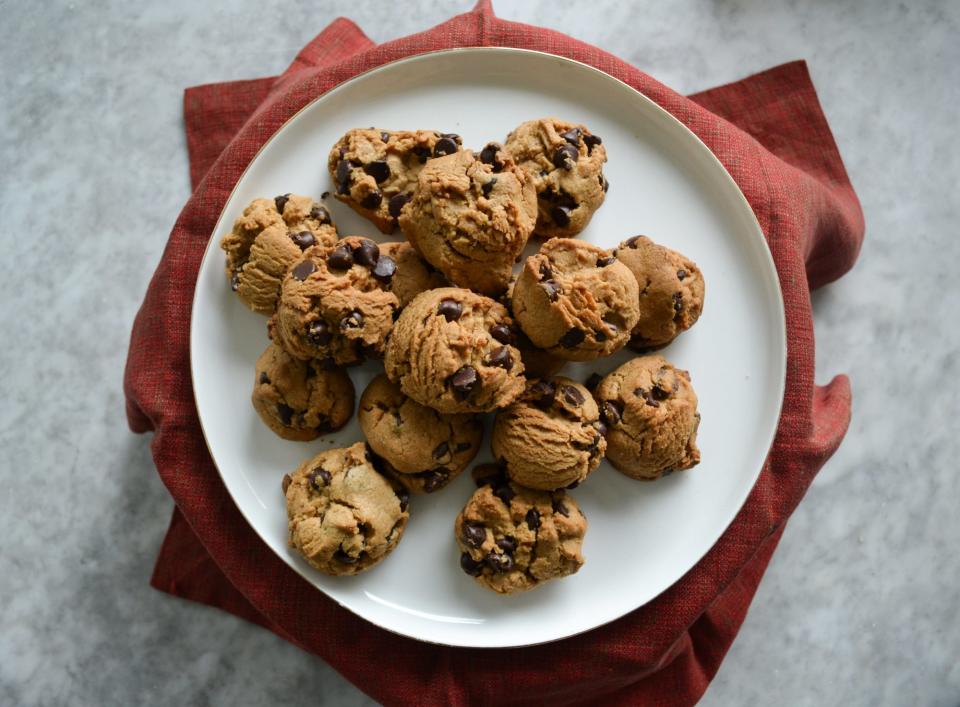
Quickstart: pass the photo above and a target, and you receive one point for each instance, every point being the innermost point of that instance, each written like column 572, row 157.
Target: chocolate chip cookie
column 566, row 161
column 301, row 400
column 375, row 171
column 337, row 305
column 671, row 291
column 576, row 300
column 343, row 516
column 450, row 350
column 270, row 236
column 650, row 411
column 414, row 275
column 417, row 446
column 470, row 218
column 513, row 538
column 551, row 437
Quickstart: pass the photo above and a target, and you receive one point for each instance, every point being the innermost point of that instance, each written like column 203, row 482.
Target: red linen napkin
column 769, row 132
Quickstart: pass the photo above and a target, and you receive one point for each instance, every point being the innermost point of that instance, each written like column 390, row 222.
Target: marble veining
column 859, row 606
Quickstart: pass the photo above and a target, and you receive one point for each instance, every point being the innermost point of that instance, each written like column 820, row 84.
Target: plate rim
column 210, row 250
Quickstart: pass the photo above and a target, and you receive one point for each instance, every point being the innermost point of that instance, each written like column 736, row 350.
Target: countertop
column 860, row 603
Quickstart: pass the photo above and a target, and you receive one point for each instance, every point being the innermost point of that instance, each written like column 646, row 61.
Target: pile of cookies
column 460, row 336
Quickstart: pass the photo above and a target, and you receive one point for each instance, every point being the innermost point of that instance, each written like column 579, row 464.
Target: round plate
column 665, row 183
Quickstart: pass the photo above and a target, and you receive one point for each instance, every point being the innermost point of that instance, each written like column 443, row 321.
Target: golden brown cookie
column 566, row 162
column 671, row 291
column 650, row 411
column 375, row 170
column 343, row 516
column 301, row 400
column 414, row 275
column 470, row 218
column 337, row 305
column 450, row 350
column 575, row 300
column 270, row 236
column 513, row 538
column 418, row 447
column 551, row 437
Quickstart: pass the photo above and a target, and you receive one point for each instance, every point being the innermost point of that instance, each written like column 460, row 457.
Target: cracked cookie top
column 513, row 538
column 343, row 516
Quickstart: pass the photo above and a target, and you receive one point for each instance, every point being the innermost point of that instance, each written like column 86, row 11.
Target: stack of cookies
column 460, row 336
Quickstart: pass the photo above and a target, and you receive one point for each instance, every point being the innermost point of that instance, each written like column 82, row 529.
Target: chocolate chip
column 320, row 213
column 591, row 141
column 572, row 136
column 604, row 184
column 384, row 136
column 552, row 288
column 341, row 258
column 658, row 392
column 604, row 262
column 342, row 151
column 464, row 382
column 436, row 479
column 341, row 556
column 452, row 136
column 396, row 203
column 499, row 563
column 612, row 328
column 404, row 497
column 445, row 146
column 681, row 274
column 560, row 215
column 677, row 301
column 593, row 381
column 572, row 395
column 559, row 507
column 372, row 200
column 325, row 195
column 502, row 333
column 235, row 281
column 318, row 333
column 645, row 395
column 501, row 357
column 343, row 176
column 353, row 320
column 533, row 519
column 285, row 412
column 367, row 253
column 599, row 335
column 601, row 428
column 303, row 239
column 442, row 450
column 320, row 477
column 566, row 156
column 285, row 484
column 303, row 269
column 572, row 485
column 541, row 393
column 573, row 337
column 611, row 411
column 470, row 566
column 504, row 492
column 450, row 309
column 462, row 447
column 264, row 378
column 474, row 534
column 488, row 187
column 508, row 545
column 385, row 268
column 281, row 201
column 379, row 170
column 631, row 242
column 422, row 152
column 546, row 272
column 488, row 155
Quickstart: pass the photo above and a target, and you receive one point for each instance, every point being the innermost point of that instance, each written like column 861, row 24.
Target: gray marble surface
column 860, row 605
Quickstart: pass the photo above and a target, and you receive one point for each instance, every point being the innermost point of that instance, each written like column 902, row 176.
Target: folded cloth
column 768, row 131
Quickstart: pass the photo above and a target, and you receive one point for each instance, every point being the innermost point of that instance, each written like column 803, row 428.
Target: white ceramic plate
column 665, row 183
